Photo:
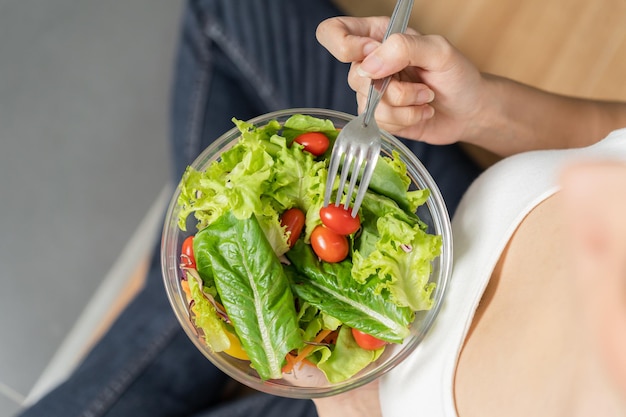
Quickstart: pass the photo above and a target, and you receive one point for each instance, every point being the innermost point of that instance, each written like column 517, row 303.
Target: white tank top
column 488, row 214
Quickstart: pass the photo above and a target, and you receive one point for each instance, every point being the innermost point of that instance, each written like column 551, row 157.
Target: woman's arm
column 438, row 96
column 517, row 117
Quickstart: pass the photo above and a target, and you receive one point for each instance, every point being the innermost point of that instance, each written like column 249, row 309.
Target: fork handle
column 397, row 24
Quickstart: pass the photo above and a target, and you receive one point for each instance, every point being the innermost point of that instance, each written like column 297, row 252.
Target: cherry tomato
column 339, row 219
column 293, row 220
column 329, row 246
column 186, row 254
column 367, row 341
column 235, row 350
column 314, row 142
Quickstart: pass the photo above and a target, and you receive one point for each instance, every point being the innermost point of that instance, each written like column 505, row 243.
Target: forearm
column 516, row 118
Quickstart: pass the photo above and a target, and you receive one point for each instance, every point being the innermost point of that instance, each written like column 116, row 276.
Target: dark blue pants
column 236, row 58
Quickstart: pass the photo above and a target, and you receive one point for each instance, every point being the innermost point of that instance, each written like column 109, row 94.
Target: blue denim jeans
column 236, row 58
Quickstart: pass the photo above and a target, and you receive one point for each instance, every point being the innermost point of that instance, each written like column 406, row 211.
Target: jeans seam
column 214, row 34
column 198, row 98
column 123, row 379
column 236, row 54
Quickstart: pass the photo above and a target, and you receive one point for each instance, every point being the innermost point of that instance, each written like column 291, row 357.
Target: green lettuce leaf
column 330, row 287
column 237, row 202
column 298, row 179
column 347, row 358
column 234, row 184
column 400, row 263
column 261, row 175
column 253, row 289
column 300, row 123
column 205, row 316
column 391, row 180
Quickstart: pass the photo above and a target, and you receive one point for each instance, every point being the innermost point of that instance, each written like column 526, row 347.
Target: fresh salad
column 275, row 278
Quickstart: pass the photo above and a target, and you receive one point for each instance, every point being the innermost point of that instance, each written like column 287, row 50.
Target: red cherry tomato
column 187, row 259
column 340, row 219
column 315, row 142
column 293, row 221
column 367, row 341
column 328, row 245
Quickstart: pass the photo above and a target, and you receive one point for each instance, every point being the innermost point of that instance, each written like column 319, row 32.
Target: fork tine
column 370, row 165
column 354, row 176
column 345, row 170
column 333, row 168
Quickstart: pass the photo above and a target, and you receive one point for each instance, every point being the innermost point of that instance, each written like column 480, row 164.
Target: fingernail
column 370, row 47
column 370, row 66
column 425, row 96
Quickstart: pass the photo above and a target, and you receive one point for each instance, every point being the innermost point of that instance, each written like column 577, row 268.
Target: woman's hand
column 435, row 94
column 438, row 96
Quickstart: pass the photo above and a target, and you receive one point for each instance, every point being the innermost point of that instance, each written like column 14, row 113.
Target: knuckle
column 396, row 94
column 398, row 44
column 414, row 115
column 342, row 52
column 443, row 45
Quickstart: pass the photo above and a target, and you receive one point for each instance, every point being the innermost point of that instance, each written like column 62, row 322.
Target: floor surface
column 84, row 166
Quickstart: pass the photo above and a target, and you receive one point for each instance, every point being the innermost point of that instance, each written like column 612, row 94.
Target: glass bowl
column 434, row 213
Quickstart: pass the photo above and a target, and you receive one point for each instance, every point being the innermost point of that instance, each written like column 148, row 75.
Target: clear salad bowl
column 307, row 381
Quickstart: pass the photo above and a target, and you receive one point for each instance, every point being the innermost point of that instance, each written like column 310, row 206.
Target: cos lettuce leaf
column 391, row 180
column 253, row 289
column 330, row 287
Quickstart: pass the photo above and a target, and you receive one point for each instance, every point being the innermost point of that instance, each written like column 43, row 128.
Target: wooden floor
column 574, row 47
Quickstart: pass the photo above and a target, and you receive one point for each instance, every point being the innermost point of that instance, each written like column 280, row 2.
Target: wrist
column 491, row 125
column 512, row 117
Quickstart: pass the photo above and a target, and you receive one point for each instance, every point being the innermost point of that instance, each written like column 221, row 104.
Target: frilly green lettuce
column 378, row 290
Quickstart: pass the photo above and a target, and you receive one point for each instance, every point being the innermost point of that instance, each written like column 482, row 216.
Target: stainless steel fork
column 357, row 146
